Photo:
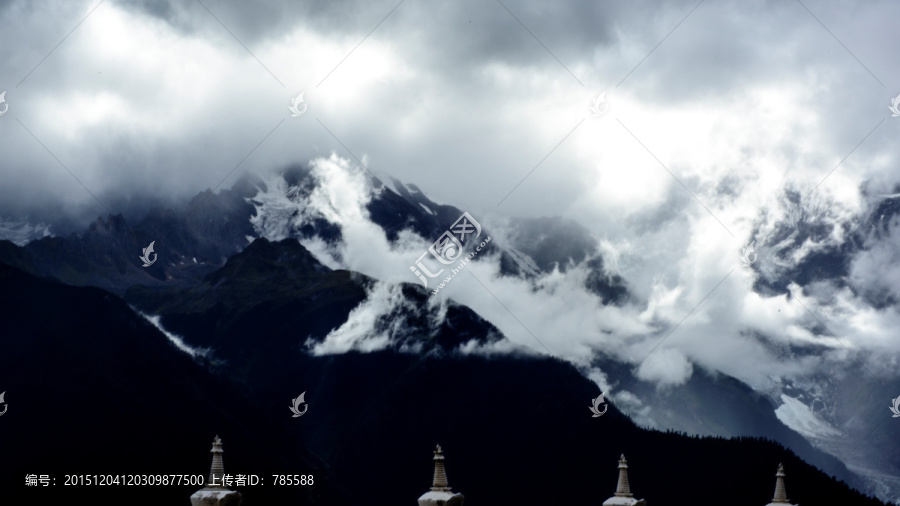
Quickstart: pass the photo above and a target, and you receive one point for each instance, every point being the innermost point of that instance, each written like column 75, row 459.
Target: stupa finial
column 623, row 488
column 780, row 494
column 439, row 484
column 217, row 469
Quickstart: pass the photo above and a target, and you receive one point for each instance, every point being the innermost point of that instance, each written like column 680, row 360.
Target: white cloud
column 683, row 279
column 740, row 103
column 177, row 340
column 797, row 415
column 363, row 329
column 666, row 367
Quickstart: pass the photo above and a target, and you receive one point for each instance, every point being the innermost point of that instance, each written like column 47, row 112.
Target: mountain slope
column 279, row 290
column 714, row 404
column 504, row 420
column 303, row 311
column 92, row 387
column 188, row 244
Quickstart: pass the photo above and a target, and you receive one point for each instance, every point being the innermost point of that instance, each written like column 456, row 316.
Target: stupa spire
column 217, row 469
column 623, row 495
column 623, row 488
column 440, row 493
column 215, row 493
column 780, row 494
column 439, row 484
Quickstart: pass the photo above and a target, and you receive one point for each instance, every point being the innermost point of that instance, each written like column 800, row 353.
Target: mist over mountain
column 255, row 276
column 372, row 415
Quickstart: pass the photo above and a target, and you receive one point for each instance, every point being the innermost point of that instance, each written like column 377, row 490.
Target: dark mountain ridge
column 226, row 309
column 93, row 388
column 492, row 407
column 504, row 420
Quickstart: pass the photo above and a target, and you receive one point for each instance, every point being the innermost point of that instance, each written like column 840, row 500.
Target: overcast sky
column 713, row 110
column 163, row 99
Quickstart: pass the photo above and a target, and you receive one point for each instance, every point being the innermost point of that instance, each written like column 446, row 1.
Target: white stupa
column 623, row 496
column 780, row 498
column 440, row 494
column 218, row 494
